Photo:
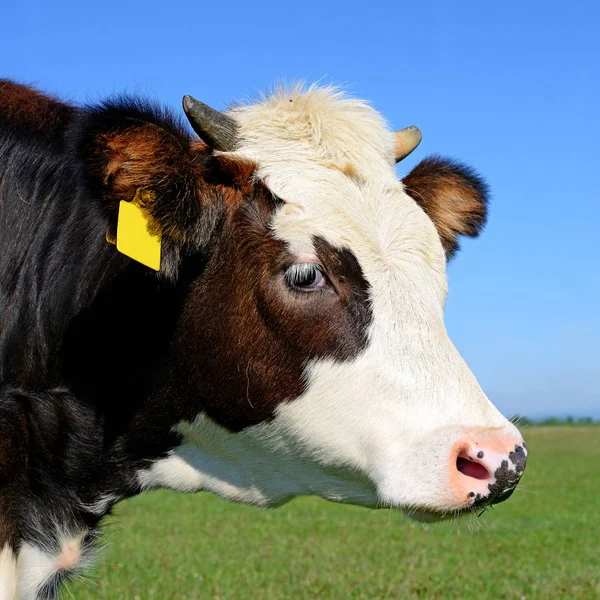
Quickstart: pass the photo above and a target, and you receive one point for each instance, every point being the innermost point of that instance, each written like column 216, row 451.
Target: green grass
column 542, row 543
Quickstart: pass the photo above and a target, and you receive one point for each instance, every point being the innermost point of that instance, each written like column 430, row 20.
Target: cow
column 254, row 309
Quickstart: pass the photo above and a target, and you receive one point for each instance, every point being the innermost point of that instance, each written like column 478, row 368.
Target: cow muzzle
column 485, row 467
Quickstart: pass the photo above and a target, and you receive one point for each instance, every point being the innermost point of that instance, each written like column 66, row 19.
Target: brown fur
column 190, row 186
column 245, row 337
column 143, row 156
column 148, row 157
column 27, row 109
column 452, row 195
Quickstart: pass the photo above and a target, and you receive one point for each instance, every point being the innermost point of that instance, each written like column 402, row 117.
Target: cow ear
column 128, row 147
column 454, row 197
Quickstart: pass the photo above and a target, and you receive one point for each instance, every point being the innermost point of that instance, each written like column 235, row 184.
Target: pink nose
column 485, row 467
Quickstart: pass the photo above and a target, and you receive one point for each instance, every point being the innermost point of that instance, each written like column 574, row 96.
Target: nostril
column 471, row 469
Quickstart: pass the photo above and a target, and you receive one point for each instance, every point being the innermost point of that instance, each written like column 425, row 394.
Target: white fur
column 35, row 566
column 378, row 429
column 256, row 466
column 8, row 574
column 100, row 506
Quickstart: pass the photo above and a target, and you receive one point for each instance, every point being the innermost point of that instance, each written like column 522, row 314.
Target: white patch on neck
column 8, row 574
column 258, row 466
column 187, row 470
column 37, row 567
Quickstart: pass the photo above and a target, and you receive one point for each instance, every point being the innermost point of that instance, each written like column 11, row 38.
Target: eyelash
column 306, row 277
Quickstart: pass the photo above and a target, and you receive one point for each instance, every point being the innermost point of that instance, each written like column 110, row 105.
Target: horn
column 406, row 141
column 218, row 130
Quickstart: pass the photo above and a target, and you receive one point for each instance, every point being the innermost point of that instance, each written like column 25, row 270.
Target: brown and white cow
column 291, row 343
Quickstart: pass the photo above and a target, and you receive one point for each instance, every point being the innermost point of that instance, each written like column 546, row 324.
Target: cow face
column 314, row 342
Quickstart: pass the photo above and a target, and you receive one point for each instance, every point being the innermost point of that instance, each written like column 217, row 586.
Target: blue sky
column 511, row 88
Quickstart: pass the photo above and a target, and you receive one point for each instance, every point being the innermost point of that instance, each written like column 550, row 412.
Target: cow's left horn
column 218, row 130
column 406, row 141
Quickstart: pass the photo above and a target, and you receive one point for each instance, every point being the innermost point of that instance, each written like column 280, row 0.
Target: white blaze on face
column 378, row 428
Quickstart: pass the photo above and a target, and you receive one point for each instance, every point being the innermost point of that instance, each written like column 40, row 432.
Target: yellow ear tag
column 134, row 238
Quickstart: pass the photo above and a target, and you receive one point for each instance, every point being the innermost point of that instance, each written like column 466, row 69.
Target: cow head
column 312, row 346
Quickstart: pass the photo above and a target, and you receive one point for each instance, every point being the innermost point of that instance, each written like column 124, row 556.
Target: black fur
column 84, row 330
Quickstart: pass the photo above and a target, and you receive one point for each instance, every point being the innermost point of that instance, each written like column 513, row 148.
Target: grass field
column 542, row 543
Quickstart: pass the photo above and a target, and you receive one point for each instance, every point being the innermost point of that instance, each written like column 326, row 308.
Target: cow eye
column 306, row 277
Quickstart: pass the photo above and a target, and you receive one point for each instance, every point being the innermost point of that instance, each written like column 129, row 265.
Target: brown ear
column 127, row 146
column 453, row 195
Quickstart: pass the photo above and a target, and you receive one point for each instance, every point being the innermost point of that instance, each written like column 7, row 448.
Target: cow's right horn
column 218, row 130
column 406, row 141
